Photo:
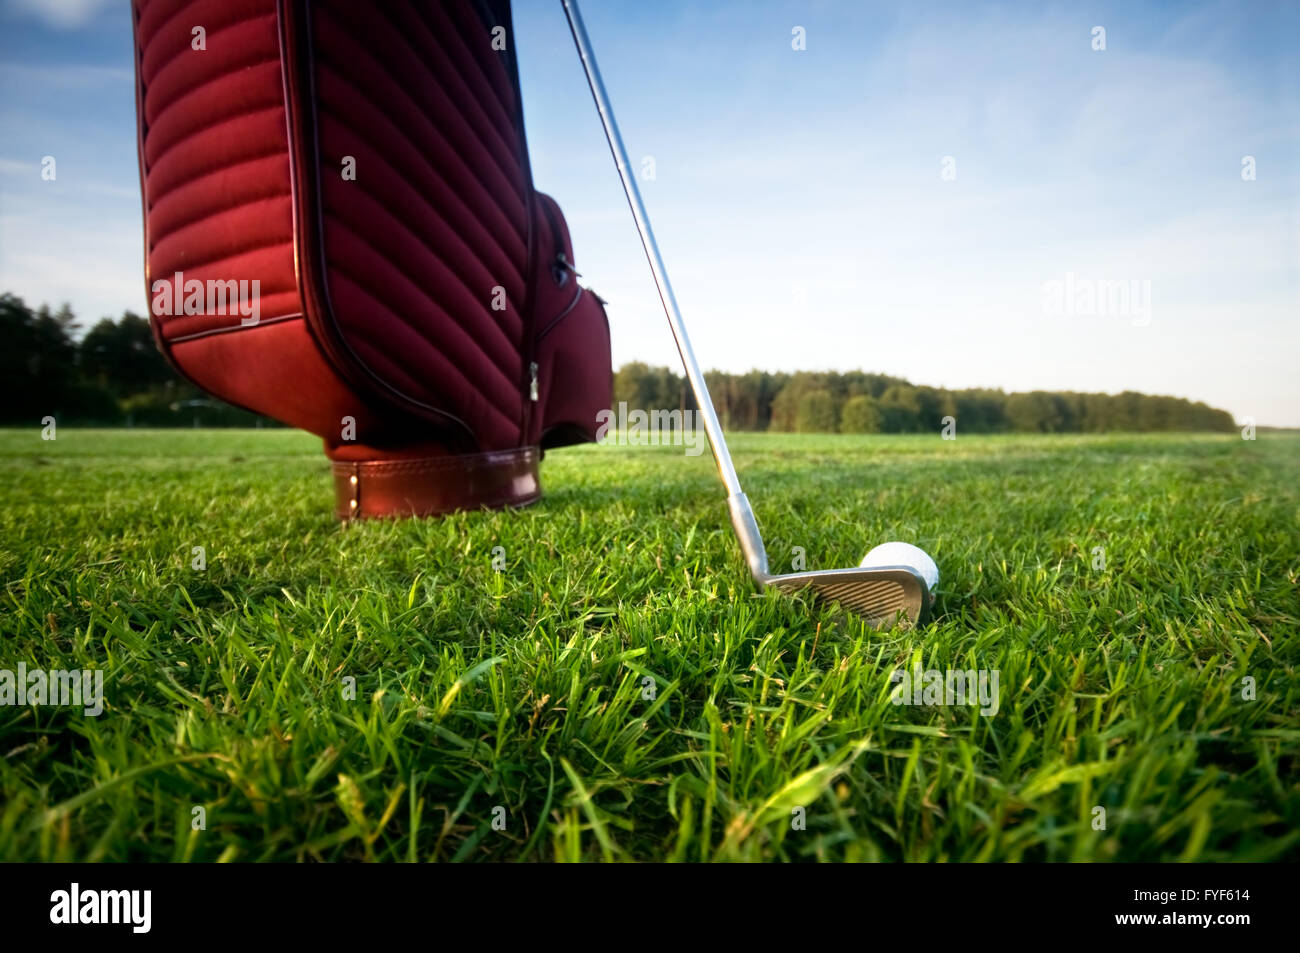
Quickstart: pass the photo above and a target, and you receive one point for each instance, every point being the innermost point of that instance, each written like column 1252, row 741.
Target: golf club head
column 880, row 594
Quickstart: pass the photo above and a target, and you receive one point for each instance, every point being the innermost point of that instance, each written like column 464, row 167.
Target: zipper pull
column 560, row 269
column 564, row 262
column 532, row 381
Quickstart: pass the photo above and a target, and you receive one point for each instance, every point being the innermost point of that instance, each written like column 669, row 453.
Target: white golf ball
column 904, row 554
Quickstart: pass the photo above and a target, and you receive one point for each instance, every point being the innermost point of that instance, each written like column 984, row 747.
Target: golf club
column 880, row 594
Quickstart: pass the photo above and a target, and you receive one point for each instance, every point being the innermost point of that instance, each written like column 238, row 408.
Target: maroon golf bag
column 342, row 233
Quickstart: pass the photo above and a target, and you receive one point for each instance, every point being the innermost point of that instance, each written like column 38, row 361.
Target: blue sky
column 798, row 196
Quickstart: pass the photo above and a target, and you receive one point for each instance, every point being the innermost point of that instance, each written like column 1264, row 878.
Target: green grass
column 524, row 689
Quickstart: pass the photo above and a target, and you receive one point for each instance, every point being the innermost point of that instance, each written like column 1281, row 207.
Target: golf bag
column 341, row 232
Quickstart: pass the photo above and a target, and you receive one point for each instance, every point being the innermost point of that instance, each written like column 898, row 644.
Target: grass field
column 619, row 691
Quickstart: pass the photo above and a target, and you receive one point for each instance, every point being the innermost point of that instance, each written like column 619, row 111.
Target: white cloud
column 61, row 14
column 17, row 167
column 23, row 79
column 96, row 263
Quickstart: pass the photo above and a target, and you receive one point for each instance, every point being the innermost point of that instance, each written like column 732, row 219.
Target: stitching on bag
column 467, row 463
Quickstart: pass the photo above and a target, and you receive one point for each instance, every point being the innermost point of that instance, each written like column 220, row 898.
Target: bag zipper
column 561, row 262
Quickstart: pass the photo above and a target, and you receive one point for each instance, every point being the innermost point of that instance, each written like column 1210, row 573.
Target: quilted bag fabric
column 342, row 233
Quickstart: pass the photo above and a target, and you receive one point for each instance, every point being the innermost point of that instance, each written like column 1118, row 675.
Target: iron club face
column 881, row 595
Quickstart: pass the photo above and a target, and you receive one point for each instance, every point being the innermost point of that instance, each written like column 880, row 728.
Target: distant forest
column 114, row 375
column 858, row 402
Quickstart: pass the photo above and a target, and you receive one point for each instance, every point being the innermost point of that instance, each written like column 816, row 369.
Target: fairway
column 595, row 677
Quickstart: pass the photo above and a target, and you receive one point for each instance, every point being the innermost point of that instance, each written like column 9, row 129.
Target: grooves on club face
column 880, row 595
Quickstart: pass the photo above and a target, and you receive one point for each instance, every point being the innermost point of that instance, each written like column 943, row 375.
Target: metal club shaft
column 711, row 425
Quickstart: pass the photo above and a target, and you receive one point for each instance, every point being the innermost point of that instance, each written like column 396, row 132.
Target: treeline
column 858, row 402
column 114, row 375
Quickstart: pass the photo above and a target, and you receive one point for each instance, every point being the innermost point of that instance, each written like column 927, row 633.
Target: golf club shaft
column 698, row 386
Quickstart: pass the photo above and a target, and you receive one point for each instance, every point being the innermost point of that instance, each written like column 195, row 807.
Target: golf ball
column 904, row 554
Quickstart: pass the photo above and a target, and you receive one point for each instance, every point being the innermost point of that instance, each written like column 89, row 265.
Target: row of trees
column 113, row 375
column 858, row 402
